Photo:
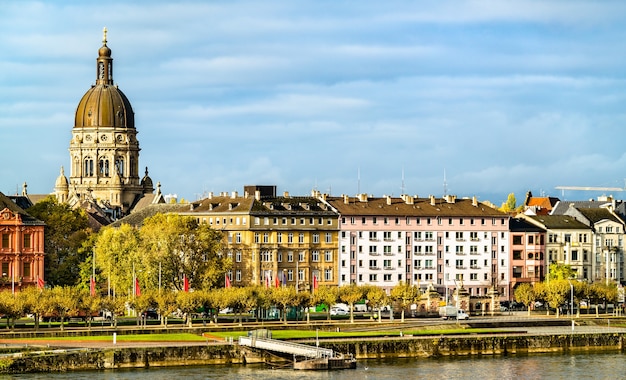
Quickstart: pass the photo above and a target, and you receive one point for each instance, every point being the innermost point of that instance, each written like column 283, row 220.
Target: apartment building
column 528, row 247
column 274, row 240
column 440, row 241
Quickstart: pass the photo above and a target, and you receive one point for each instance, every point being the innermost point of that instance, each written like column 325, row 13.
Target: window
column 6, row 241
column 329, row 238
column 257, row 238
column 316, row 238
column 459, row 236
column 290, row 256
column 459, row 264
column 266, row 237
column 387, row 235
column 328, row 256
column 315, row 256
column 26, row 269
column 279, row 238
column 238, row 237
column 428, row 235
column 290, row 238
column 300, row 274
column 474, row 236
column 373, row 277
column 328, row 274
column 301, row 256
column 373, row 235
column 517, row 255
column 5, row 269
column 301, row 238
column 238, row 256
column 290, row 275
column 387, row 277
column 517, row 239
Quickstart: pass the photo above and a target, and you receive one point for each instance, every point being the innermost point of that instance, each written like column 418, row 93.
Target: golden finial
column 104, row 35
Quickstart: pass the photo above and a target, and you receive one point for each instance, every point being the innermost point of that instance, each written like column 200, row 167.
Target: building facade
column 528, row 248
column 21, row 247
column 446, row 242
column 274, row 240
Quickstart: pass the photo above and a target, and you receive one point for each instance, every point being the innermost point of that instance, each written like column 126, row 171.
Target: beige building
column 274, row 240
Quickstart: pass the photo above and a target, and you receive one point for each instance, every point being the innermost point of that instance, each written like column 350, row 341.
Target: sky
column 471, row 98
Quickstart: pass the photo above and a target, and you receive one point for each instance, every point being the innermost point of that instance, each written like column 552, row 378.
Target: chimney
column 363, row 197
column 210, row 195
column 474, row 201
column 346, row 199
column 388, row 200
column 450, row 198
column 432, row 200
column 257, row 195
column 286, row 194
column 234, row 194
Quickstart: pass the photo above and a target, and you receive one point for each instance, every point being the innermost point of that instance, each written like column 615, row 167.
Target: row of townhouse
column 446, row 242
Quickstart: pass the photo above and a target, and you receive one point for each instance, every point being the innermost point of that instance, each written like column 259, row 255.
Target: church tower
column 104, row 150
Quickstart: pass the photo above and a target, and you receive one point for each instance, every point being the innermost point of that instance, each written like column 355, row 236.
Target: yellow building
column 274, row 240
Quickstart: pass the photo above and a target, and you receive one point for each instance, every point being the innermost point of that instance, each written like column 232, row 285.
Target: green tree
column 118, row 258
column 66, row 230
column 284, row 297
column 65, row 302
column 557, row 292
column 166, row 304
column 188, row 303
column 180, row 246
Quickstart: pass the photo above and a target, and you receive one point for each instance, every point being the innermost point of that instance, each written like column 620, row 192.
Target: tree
column 65, row 301
column 166, row 304
column 284, row 296
column 182, row 247
column 556, row 294
column 351, row 294
column 35, row 302
column 558, row 271
column 510, row 205
column 66, row 230
column 406, row 294
column 376, row 299
column 326, row 295
column 524, row 294
column 118, row 258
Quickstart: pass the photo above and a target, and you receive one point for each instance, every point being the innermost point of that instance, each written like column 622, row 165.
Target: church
column 104, row 150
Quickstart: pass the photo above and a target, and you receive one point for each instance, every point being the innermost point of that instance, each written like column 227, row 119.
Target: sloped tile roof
column 562, row 222
column 420, row 207
column 598, row 214
column 6, row 202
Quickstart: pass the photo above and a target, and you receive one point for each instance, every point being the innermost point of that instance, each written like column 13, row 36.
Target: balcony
column 374, row 268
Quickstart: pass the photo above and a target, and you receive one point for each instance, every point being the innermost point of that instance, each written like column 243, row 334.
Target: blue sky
column 340, row 96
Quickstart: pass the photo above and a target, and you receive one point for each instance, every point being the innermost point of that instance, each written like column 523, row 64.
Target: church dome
column 147, row 184
column 62, row 183
column 104, row 104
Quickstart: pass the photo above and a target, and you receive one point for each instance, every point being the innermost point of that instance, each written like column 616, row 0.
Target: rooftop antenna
column 402, row 187
column 445, row 184
column 358, row 182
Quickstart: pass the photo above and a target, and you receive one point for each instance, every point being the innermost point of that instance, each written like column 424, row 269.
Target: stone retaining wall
column 418, row 347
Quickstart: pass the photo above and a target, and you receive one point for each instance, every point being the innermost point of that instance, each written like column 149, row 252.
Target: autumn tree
column 283, row 297
column 557, row 292
column 351, row 294
column 525, row 294
column 405, row 294
column 558, row 271
column 166, row 304
column 326, row 295
column 66, row 230
column 510, row 205
column 376, row 299
column 178, row 246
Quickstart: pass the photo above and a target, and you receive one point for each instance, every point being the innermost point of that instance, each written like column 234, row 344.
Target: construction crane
column 590, row 188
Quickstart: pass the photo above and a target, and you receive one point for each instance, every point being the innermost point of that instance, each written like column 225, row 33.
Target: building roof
column 523, row 225
column 562, row 206
column 136, row 218
column 412, row 206
column 559, row 222
column 6, row 202
column 596, row 215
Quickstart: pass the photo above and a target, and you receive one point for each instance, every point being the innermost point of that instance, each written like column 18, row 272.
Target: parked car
column 150, row 314
column 338, row 311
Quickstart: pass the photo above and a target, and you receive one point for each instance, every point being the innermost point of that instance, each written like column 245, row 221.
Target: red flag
column 314, row 282
column 137, row 289
column 226, row 281
column 40, row 282
column 92, row 286
column 276, row 282
column 267, row 281
column 185, row 283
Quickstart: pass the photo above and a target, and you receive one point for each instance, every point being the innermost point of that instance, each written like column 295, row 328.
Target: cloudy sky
column 341, row 96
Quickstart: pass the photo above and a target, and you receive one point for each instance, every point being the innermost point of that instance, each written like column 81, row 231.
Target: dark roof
column 556, row 222
column 6, row 202
column 136, row 218
column 523, row 225
column 598, row 214
column 223, row 203
column 21, row 200
column 424, row 207
column 291, row 206
column 561, row 207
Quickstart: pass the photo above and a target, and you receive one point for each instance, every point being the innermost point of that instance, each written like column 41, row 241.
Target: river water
column 543, row 366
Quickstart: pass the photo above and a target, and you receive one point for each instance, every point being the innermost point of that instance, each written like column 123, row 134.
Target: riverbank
column 50, row 356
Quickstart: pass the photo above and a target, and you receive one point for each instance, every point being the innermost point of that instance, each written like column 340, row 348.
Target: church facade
column 104, row 149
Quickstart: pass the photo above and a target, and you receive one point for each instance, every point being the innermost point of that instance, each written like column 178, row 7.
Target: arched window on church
column 104, row 167
column 88, row 167
column 133, row 169
column 119, row 164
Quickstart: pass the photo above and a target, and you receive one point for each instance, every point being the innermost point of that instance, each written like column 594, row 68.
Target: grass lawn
column 308, row 334
column 129, row 338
